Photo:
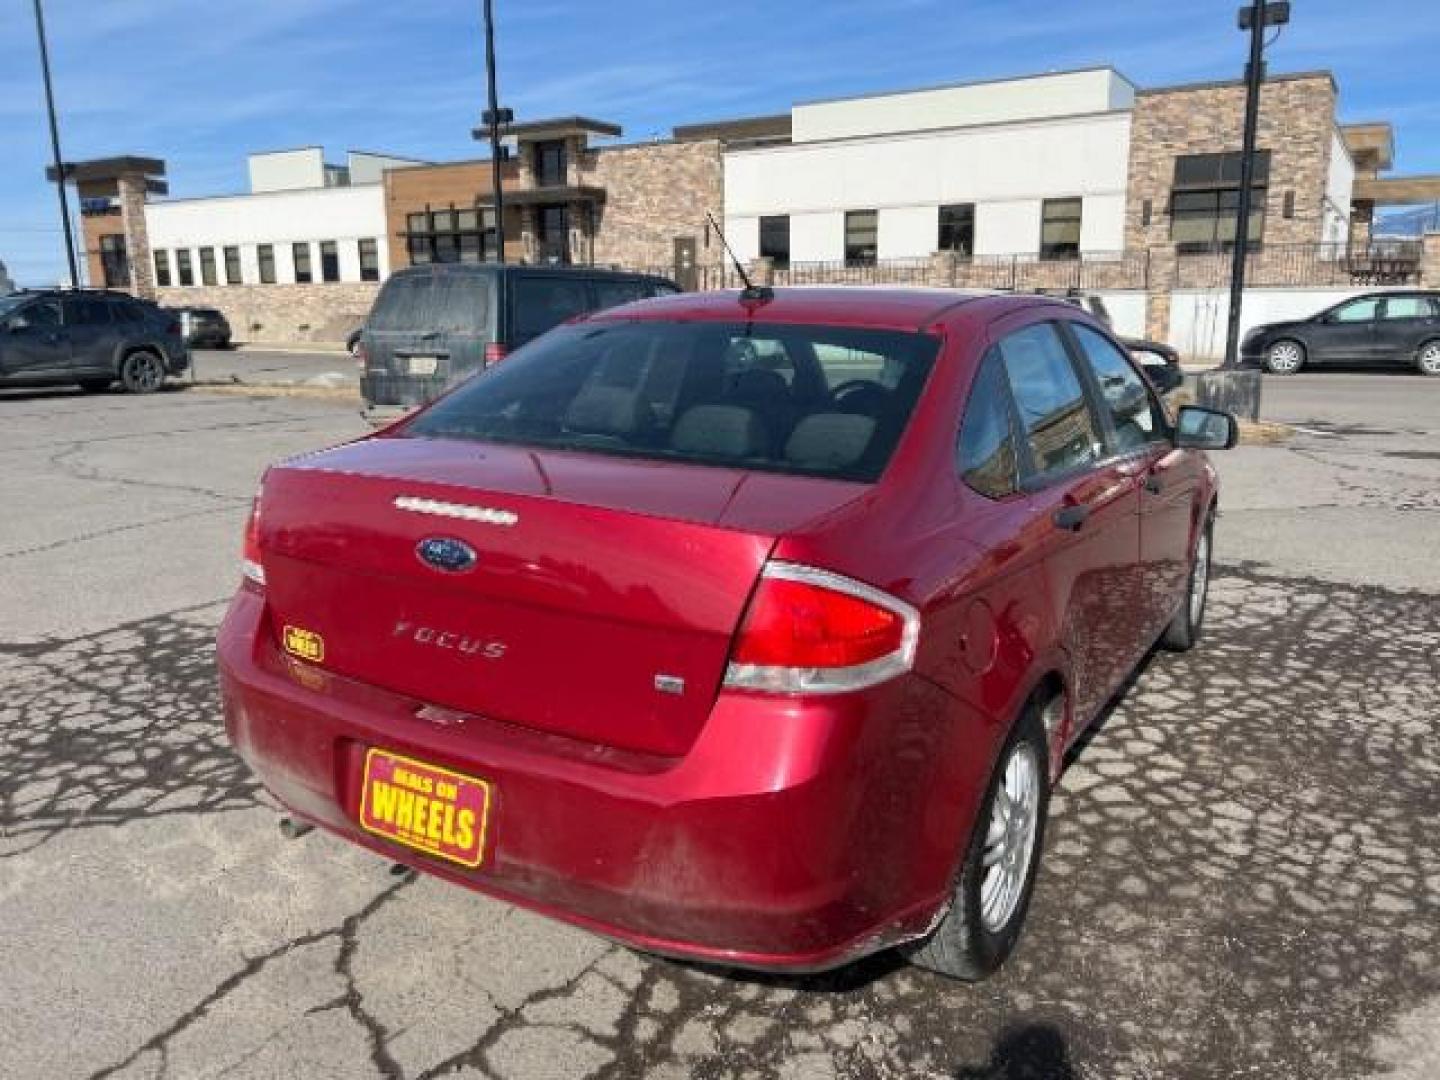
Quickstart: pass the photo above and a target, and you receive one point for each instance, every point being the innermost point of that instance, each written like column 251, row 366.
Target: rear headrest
column 829, row 440
column 606, row 410
column 720, row 431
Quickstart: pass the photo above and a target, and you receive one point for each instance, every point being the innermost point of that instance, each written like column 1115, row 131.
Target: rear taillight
column 809, row 631
column 495, row 352
column 250, row 564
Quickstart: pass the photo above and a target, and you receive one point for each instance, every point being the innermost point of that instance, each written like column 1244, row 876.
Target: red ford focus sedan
column 745, row 628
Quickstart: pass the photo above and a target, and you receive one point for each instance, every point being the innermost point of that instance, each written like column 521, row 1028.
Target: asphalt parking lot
column 1242, row 875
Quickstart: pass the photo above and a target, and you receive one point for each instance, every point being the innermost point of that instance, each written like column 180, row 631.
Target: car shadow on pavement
column 1029, row 1052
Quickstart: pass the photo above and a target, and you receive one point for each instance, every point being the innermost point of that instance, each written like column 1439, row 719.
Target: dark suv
column 432, row 325
column 88, row 337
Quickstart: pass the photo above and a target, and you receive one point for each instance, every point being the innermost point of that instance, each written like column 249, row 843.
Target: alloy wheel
column 1200, row 578
column 1010, row 838
column 1430, row 358
column 145, row 373
column 1285, row 357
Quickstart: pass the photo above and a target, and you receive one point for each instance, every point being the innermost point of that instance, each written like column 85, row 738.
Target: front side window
column 207, row 266
column 232, row 266
column 162, row 268
column 862, row 232
column 1059, row 428
column 39, row 315
column 1135, row 416
column 1060, row 228
column 265, row 255
column 751, row 396
column 775, row 239
column 182, row 265
column 329, row 261
column 957, row 229
column 544, row 302
column 369, row 260
column 303, row 273
column 988, row 462
column 1357, row 311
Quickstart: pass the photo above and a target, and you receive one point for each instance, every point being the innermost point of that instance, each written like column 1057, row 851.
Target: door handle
column 1072, row 517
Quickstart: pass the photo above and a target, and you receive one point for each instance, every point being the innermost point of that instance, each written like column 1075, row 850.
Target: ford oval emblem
column 446, row 553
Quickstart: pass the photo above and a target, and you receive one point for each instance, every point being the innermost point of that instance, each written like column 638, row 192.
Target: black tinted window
column 750, row 396
column 455, row 303
column 1058, row 425
column 40, row 313
column 545, row 302
column 86, row 312
column 1134, row 415
column 987, row 437
column 610, row 294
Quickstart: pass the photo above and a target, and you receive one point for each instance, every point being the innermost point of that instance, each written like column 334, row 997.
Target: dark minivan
column 432, row 325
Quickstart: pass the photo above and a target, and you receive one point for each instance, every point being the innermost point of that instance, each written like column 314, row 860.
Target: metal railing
column 1381, row 262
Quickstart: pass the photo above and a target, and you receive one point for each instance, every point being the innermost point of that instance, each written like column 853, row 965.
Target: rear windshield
column 424, row 302
column 813, row 400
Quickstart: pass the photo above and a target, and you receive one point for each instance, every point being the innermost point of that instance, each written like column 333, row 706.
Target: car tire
column 1284, row 357
column 1184, row 629
column 1001, row 861
column 1427, row 358
column 96, row 386
column 142, row 372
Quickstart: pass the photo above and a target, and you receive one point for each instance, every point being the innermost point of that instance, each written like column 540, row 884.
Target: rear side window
column 987, row 435
column 1135, row 416
column 541, row 303
column 452, row 303
column 86, row 312
column 610, row 294
column 1059, row 428
column 764, row 397
column 1409, row 307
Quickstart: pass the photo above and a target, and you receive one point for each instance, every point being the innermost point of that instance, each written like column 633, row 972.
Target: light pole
column 1255, row 18
column 55, row 148
column 493, row 119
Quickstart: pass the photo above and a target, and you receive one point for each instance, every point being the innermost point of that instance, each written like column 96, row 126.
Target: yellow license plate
column 425, row 807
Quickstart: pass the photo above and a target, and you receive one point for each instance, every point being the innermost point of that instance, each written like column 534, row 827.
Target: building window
column 207, row 266
column 182, row 265
column 162, row 268
column 550, row 163
column 775, row 239
column 957, row 228
column 861, row 232
column 303, row 274
column 1060, row 228
column 265, row 255
column 114, row 261
column 1205, row 201
column 329, row 261
column 232, row 266
column 553, row 240
column 369, row 260
column 450, row 236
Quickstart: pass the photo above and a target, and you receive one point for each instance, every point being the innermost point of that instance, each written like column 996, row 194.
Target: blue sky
column 200, row 84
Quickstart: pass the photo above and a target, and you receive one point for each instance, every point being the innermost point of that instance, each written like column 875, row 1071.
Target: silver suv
column 91, row 338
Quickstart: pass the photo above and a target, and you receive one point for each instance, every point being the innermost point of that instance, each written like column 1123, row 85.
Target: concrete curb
column 311, row 347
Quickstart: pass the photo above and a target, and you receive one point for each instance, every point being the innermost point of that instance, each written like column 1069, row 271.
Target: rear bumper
column 177, row 362
column 790, row 837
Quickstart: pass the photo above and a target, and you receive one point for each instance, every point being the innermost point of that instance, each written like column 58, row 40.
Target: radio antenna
column 751, row 290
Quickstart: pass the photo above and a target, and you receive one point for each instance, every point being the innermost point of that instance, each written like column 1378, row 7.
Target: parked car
column 204, row 328
column 89, row 337
column 433, row 325
column 1160, row 361
column 751, row 629
column 1399, row 328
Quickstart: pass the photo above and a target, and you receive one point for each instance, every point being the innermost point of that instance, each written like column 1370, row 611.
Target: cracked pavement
column 1242, row 874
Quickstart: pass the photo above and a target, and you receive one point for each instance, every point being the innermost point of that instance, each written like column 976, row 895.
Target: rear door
column 92, row 333
column 541, row 302
column 1406, row 322
column 1347, row 334
column 1092, row 548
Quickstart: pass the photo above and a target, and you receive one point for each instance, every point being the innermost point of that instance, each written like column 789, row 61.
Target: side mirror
column 1199, row 428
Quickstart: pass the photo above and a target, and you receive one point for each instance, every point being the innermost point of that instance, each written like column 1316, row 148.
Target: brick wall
column 654, row 193
column 283, row 313
column 1297, row 118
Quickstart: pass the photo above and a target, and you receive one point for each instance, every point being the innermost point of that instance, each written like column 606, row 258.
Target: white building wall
column 1005, row 169
column 287, row 170
column 817, row 237
column 343, row 214
column 1339, row 191
column 1001, row 101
